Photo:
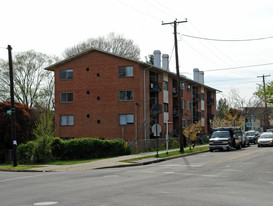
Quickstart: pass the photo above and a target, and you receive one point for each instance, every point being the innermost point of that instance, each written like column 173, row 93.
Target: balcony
column 210, row 101
column 155, row 86
column 156, row 109
column 196, row 115
column 175, row 112
column 210, row 116
column 175, row 93
column 196, row 97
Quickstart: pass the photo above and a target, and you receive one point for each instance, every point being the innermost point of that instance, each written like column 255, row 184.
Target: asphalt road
column 239, row 177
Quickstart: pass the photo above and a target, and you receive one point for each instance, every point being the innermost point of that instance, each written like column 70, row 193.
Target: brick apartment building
column 99, row 94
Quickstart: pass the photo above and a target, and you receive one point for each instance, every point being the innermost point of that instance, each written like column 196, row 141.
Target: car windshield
column 270, row 130
column 220, row 134
column 250, row 133
column 266, row 136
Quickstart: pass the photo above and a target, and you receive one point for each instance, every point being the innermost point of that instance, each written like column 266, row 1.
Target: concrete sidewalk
column 108, row 163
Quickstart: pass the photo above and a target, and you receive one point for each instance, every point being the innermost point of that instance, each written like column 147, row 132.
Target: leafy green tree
column 265, row 94
column 44, row 134
column 114, row 43
column 222, row 108
column 32, row 83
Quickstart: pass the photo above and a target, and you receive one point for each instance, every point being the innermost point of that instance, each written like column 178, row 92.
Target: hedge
column 73, row 149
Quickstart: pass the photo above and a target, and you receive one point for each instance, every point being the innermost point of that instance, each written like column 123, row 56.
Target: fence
column 153, row 144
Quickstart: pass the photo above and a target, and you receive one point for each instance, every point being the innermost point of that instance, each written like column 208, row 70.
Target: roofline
column 149, row 66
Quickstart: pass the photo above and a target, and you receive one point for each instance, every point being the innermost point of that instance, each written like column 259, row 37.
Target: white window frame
column 125, row 95
column 66, row 97
column 126, row 119
column 189, row 105
column 67, row 74
column 125, row 71
column 66, row 120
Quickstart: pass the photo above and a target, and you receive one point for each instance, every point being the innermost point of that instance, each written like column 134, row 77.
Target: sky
column 51, row 26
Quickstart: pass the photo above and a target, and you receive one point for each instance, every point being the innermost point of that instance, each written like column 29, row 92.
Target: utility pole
column 266, row 119
column 181, row 138
column 13, row 117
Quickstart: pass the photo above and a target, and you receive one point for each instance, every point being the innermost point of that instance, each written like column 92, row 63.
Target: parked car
column 252, row 135
column 245, row 141
column 266, row 139
column 269, row 130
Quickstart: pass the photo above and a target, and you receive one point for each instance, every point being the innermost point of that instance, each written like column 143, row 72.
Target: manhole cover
column 45, row 203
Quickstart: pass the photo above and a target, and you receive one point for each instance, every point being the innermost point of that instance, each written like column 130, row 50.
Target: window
column 66, row 74
column 182, row 85
column 165, row 86
column 182, row 104
column 125, row 119
column 189, row 105
column 166, row 109
column 125, row 71
column 66, row 97
column 183, row 123
column 126, row 95
column 67, row 120
column 202, row 96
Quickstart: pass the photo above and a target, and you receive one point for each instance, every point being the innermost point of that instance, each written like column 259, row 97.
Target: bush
column 25, row 152
column 85, row 148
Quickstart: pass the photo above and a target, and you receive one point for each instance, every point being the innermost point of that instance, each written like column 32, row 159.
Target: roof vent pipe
column 157, row 58
column 165, row 62
column 196, row 74
column 201, row 77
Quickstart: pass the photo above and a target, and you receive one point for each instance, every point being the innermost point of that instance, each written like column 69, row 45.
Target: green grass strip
column 19, row 167
column 170, row 154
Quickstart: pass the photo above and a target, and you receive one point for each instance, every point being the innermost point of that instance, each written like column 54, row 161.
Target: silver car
column 266, row 139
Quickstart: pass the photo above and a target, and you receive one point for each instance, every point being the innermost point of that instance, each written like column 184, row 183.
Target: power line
column 241, row 67
column 229, row 40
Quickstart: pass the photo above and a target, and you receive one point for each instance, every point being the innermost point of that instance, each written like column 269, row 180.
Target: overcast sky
column 51, row 26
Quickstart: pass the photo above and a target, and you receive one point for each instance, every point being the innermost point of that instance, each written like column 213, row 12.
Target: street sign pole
column 167, row 137
column 13, row 117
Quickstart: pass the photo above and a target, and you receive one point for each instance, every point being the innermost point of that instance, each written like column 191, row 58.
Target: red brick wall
column 106, row 86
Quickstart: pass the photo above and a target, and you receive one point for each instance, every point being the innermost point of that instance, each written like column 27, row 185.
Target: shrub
column 25, row 152
column 87, row 148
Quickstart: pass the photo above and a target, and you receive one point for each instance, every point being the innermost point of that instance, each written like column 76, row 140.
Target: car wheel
column 211, row 150
column 259, row 145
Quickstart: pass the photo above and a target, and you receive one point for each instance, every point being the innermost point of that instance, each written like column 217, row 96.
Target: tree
column 32, row 84
column 222, row 108
column 25, row 119
column 113, row 43
column 44, row 134
column 191, row 131
column 232, row 118
column 267, row 95
column 236, row 101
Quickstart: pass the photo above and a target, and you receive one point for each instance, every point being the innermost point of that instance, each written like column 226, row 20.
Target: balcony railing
column 195, row 97
column 156, row 109
column 196, row 115
column 210, row 101
column 155, row 86
column 175, row 93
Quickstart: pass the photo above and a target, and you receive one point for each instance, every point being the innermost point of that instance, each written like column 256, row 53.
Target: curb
column 153, row 161
column 131, row 164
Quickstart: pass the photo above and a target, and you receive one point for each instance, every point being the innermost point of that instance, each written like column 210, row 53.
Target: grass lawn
column 18, row 167
column 170, row 154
